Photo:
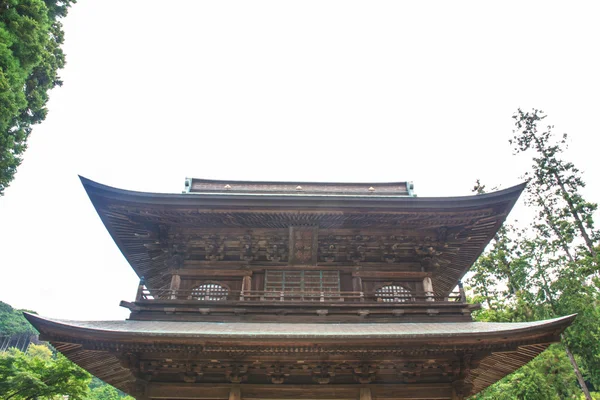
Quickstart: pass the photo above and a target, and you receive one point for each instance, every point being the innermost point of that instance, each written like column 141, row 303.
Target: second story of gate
column 298, row 251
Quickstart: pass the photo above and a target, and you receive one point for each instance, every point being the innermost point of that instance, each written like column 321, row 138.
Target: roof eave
column 73, row 329
column 95, row 189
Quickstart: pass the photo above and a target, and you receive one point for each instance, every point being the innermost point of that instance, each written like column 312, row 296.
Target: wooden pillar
column 235, row 393
column 246, row 286
column 365, row 394
column 456, row 395
column 461, row 290
column 357, row 284
column 428, row 288
column 140, row 292
column 175, row 283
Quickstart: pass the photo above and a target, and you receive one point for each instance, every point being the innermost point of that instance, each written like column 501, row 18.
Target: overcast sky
column 365, row 91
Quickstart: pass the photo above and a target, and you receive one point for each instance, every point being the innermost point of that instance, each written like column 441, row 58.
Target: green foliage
column 566, row 219
column 12, row 322
column 549, row 376
column 30, row 57
column 40, row 374
column 102, row 391
column 18, row 368
column 105, row 392
column 545, row 271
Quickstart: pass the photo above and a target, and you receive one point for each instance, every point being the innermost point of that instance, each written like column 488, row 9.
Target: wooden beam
column 202, row 272
column 416, row 275
column 205, row 391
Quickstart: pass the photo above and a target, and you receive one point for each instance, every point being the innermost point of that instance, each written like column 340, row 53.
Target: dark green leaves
column 30, row 57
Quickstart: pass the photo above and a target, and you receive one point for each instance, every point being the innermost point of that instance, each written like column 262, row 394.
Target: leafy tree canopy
column 12, row 322
column 30, row 56
column 546, row 270
column 40, row 374
column 102, row 391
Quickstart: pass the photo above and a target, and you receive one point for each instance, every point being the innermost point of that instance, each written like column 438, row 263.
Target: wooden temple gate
column 260, row 290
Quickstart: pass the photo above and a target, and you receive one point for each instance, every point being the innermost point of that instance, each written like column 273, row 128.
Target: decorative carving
column 277, row 373
column 365, row 373
column 236, row 373
column 192, row 373
column 409, row 372
column 391, row 247
column 303, row 245
column 214, row 247
column 357, row 250
column 129, row 361
column 323, row 373
column 328, row 249
column 276, row 249
column 246, row 250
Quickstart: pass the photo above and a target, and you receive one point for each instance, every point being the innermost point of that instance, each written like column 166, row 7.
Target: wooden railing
column 293, row 296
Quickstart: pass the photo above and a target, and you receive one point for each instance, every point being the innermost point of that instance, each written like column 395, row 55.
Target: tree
column 30, row 57
column 549, row 269
column 565, row 244
column 555, row 188
column 100, row 390
column 39, row 374
column 15, row 330
column 16, row 335
column 548, row 377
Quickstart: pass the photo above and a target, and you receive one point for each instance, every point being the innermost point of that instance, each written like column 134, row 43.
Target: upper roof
column 151, row 227
column 208, row 186
column 311, row 199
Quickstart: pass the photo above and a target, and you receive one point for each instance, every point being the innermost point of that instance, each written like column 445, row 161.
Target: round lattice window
column 393, row 294
column 210, row 291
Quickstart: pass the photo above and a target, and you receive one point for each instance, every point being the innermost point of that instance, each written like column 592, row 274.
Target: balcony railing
column 295, row 296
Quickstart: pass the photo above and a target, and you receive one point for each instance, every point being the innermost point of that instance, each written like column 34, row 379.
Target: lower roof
column 245, row 330
column 108, row 349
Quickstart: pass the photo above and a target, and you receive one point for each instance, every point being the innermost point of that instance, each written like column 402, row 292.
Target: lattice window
column 210, row 291
column 393, row 294
column 302, row 281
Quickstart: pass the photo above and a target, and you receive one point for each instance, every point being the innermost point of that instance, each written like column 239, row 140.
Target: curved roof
column 300, row 198
column 140, row 223
column 180, row 331
column 98, row 346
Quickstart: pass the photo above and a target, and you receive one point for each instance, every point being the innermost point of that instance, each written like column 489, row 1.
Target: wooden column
column 235, row 393
column 456, row 395
column 140, row 292
column 461, row 290
column 175, row 283
column 365, row 394
column 357, row 286
column 246, row 285
column 428, row 288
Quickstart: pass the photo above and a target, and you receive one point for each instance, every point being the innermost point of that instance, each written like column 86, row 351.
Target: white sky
column 282, row 90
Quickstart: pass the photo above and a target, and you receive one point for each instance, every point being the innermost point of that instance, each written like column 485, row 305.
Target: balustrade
column 214, row 295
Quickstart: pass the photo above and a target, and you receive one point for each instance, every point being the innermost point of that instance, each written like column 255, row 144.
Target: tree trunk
column 575, row 214
column 584, row 387
column 567, row 197
column 548, row 213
